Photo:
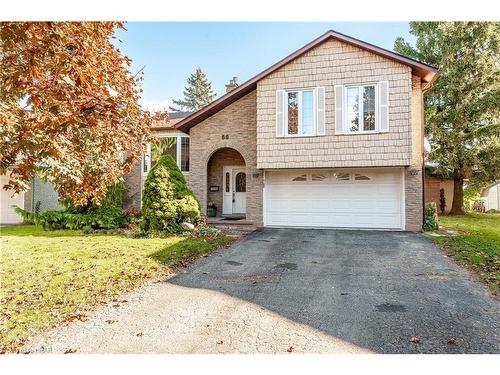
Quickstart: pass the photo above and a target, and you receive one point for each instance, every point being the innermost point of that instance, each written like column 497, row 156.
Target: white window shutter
column 383, row 94
column 280, row 113
column 320, row 110
column 339, row 108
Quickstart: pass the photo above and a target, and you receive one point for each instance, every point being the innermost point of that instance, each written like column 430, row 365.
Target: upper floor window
column 175, row 146
column 300, row 113
column 360, row 108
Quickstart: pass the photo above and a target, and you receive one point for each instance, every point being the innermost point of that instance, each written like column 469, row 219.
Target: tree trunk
column 457, row 208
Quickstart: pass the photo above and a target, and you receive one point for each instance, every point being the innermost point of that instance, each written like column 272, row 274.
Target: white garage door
column 362, row 198
column 7, row 213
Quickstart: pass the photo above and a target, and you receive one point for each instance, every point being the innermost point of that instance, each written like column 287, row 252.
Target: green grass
column 48, row 277
column 477, row 245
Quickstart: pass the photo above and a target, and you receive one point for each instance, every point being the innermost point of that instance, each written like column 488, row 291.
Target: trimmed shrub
column 442, row 201
column 166, row 199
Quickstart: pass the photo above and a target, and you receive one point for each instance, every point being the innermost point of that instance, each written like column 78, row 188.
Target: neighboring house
column 433, row 184
column 8, row 199
column 330, row 136
column 491, row 197
column 40, row 197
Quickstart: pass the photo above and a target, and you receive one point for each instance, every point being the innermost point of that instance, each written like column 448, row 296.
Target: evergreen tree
column 197, row 93
column 462, row 111
column 166, row 199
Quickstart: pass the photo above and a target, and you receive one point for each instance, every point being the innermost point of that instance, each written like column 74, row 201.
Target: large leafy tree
column 68, row 107
column 197, row 93
column 462, row 109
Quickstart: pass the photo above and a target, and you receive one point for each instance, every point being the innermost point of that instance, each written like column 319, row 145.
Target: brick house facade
column 328, row 177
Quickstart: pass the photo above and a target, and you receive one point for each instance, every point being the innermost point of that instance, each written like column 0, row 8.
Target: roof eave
column 421, row 69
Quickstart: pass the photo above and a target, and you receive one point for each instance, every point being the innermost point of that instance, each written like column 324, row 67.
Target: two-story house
column 330, row 136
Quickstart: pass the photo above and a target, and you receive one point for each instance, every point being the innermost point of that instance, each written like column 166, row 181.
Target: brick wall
column 413, row 173
column 333, row 63
column 237, row 123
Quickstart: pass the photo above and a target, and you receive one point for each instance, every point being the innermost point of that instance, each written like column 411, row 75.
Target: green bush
column 430, row 217
column 166, row 199
column 108, row 215
column 113, row 198
column 100, row 218
column 472, row 193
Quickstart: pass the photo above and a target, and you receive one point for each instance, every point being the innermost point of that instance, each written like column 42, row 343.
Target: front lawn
column 48, row 277
column 477, row 244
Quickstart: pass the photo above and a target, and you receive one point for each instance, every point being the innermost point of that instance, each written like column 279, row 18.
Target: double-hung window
column 300, row 113
column 360, row 108
column 175, row 146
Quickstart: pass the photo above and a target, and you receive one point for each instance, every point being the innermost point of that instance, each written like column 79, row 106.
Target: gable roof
column 426, row 72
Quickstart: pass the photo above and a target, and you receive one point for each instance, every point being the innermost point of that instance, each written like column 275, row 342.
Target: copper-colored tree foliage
column 68, row 107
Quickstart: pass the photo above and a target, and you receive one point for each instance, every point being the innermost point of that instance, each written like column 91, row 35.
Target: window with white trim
column 300, row 113
column 360, row 108
column 175, row 146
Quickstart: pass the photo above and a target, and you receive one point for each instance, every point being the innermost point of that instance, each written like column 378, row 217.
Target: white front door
column 234, row 181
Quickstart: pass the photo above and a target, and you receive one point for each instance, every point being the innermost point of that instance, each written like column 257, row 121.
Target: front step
column 240, row 226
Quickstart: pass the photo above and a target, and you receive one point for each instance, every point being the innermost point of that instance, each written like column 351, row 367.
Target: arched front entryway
column 227, row 183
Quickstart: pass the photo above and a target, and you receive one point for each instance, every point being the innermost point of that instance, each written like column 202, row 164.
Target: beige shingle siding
column 335, row 63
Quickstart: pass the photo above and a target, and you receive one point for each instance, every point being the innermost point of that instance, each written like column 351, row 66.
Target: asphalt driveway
column 292, row 290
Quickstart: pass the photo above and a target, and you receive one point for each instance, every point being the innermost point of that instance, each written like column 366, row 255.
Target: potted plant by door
column 211, row 209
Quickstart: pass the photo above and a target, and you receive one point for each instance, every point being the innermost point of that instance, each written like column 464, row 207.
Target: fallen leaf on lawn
column 290, row 349
column 415, row 339
column 69, row 351
column 452, row 341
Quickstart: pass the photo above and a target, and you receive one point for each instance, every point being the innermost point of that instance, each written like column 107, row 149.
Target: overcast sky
column 171, row 51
